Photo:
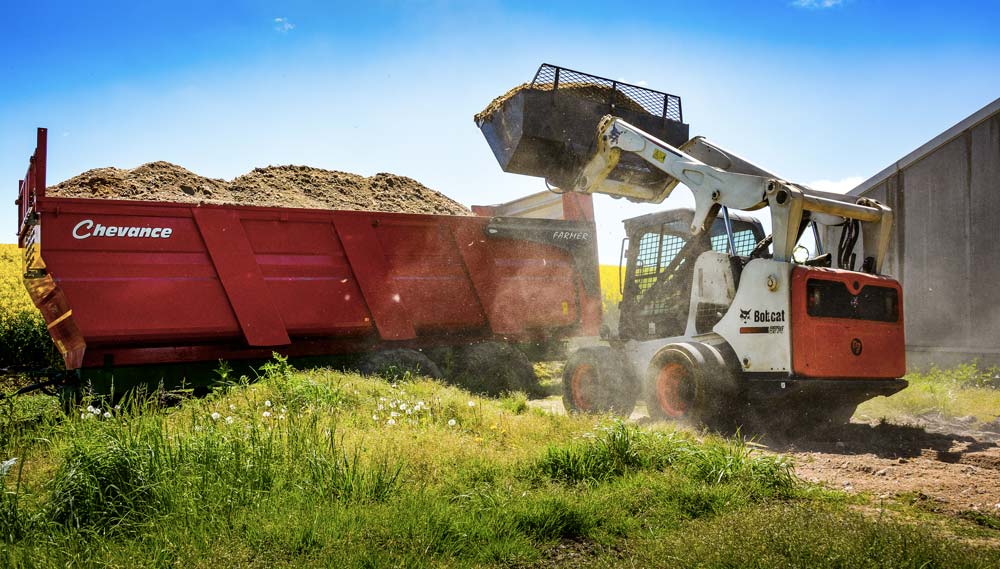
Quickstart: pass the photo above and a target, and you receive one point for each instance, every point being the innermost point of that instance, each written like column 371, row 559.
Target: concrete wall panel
column 935, row 210
column 984, row 243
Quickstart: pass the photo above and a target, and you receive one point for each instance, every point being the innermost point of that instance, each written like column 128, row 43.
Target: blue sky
column 816, row 91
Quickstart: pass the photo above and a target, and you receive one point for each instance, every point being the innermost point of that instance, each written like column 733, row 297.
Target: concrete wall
column 946, row 243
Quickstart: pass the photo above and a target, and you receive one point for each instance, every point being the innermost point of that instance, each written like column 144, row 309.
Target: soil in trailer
column 273, row 186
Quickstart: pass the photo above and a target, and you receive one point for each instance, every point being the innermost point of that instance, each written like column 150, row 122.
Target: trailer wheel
column 598, row 380
column 692, row 382
column 493, row 368
column 392, row 364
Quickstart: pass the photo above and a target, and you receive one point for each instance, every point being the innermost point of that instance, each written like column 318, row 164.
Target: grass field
column 967, row 391
column 323, row 468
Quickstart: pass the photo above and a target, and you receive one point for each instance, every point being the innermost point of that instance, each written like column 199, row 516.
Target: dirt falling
column 273, row 186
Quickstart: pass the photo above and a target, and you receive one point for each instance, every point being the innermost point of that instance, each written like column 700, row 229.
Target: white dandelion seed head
column 390, row 422
column 392, row 404
column 267, row 403
column 451, row 422
column 281, row 417
column 232, row 407
column 381, row 407
column 90, row 408
column 216, row 416
column 472, row 403
column 284, row 409
column 266, row 414
column 84, row 415
column 107, row 414
column 409, row 411
column 402, row 406
column 394, row 414
column 374, row 417
column 229, row 420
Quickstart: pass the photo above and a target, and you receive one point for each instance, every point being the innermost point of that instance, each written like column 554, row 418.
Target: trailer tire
column 598, row 380
column 494, row 368
column 694, row 383
column 393, row 364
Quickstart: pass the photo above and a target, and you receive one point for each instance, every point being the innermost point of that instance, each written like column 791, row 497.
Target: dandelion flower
column 216, row 416
column 229, row 420
column 267, row 414
column 390, row 422
column 472, row 403
column 267, row 403
column 107, row 414
column 90, row 408
column 451, row 422
column 374, row 417
column 402, row 406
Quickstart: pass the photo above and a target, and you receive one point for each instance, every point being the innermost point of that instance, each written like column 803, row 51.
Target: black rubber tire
column 494, row 368
column 393, row 364
column 693, row 383
column 597, row 379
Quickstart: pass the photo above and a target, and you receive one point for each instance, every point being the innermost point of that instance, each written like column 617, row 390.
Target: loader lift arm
column 727, row 180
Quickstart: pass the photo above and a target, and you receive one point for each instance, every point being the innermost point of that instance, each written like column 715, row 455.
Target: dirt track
column 946, row 464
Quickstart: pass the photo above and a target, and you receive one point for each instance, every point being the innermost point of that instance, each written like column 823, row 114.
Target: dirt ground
column 275, row 186
column 946, row 464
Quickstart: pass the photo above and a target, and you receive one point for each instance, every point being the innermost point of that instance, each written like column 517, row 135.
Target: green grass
column 968, row 390
column 323, row 468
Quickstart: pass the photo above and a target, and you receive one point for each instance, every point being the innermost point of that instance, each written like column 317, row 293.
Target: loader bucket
column 547, row 128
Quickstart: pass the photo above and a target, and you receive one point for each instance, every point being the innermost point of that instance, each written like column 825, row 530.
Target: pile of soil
column 592, row 91
column 274, row 186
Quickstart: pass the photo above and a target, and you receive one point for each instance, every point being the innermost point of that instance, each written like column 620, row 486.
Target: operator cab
column 661, row 260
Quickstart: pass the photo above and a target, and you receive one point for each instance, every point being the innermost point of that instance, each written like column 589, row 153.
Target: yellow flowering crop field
column 610, row 286
column 13, row 296
column 24, row 341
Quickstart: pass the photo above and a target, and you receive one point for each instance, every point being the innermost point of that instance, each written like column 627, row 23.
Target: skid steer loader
column 720, row 324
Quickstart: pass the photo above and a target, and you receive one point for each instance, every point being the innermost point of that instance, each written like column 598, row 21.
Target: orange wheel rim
column 669, row 382
column 582, row 382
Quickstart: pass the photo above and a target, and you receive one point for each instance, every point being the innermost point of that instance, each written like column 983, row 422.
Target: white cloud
column 837, row 186
column 283, row 25
column 816, row 4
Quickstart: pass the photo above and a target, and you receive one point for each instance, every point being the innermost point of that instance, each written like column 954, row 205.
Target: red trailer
column 156, row 284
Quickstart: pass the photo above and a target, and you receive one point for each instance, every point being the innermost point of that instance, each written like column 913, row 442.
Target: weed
column 105, row 481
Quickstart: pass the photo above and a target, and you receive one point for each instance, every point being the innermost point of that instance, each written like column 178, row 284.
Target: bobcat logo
column 745, row 314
